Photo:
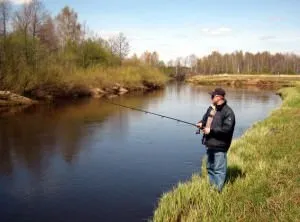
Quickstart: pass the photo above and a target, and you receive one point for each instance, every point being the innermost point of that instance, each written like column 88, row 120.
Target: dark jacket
column 222, row 128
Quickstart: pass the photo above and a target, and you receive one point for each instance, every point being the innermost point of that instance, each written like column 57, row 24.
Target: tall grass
column 263, row 182
column 130, row 77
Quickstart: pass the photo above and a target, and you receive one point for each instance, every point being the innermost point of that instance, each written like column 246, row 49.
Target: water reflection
column 39, row 132
column 91, row 159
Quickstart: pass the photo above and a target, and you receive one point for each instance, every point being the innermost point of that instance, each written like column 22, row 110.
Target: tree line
column 36, row 47
column 240, row 62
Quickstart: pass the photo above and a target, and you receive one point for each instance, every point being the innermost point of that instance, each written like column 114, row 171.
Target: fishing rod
column 148, row 112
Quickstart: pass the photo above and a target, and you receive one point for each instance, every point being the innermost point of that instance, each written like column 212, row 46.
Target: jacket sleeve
column 227, row 126
column 205, row 116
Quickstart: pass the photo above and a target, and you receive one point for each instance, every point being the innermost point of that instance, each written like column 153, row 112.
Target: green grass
column 264, row 176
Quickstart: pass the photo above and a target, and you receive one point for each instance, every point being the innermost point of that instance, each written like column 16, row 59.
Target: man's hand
column 206, row 131
column 199, row 125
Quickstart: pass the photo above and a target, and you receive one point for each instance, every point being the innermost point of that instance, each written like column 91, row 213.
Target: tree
column 91, row 52
column 39, row 17
column 151, row 59
column 161, row 64
column 239, row 62
column 47, row 34
column 154, row 59
column 28, row 21
column 5, row 11
column 192, row 61
column 146, row 57
column 178, row 63
column 119, row 46
column 68, row 27
column 30, row 18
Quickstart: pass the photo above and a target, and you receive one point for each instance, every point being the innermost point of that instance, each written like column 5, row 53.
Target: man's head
column 218, row 96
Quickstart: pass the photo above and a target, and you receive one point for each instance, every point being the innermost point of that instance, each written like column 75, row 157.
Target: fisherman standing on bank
column 218, row 126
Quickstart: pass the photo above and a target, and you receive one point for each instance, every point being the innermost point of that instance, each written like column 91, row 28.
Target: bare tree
column 39, row 17
column 146, row 57
column 21, row 24
column 193, row 62
column 239, row 62
column 154, row 59
column 178, row 65
column 30, row 17
column 47, row 34
column 5, row 11
column 68, row 27
column 150, row 58
column 111, row 45
column 22, row 19
column 119, row 45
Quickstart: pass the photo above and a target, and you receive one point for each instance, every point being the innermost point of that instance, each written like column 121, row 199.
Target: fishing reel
column 199, row 130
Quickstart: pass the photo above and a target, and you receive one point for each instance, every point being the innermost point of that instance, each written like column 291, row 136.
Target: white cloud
column 20, row 1
column 216, row 32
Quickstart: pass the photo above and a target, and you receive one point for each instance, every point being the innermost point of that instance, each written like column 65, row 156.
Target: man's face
column 216, row 98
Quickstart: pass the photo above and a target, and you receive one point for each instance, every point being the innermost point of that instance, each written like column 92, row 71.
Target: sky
column 177, row 28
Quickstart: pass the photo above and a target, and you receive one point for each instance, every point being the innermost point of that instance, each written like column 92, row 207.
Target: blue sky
column 180, row 28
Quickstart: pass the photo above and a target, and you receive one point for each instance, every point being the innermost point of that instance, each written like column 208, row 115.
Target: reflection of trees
column 32, row 138
column 22, row 140
column 6, row 165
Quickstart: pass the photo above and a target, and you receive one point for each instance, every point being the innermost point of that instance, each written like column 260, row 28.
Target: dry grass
column 128, row 76
column 246, row 80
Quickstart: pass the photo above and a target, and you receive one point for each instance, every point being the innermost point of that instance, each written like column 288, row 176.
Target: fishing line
column 151, row 113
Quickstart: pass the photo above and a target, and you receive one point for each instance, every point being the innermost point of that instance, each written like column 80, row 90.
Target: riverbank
column 261, row 81
column 263, row 182
column 95, row 83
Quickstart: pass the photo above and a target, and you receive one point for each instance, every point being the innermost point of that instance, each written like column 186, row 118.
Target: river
column 92, row 161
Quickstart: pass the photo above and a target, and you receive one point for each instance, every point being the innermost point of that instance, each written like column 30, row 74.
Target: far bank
column 244, row 80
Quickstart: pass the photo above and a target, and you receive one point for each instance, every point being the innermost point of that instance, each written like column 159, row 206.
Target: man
column 218, row 126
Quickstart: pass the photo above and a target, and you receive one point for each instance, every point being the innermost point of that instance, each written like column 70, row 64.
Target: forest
column 37, row 49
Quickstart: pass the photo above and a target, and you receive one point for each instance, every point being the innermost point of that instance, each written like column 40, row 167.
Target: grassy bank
column 64, row 83
column 245, row 80
column 128, row 76
column 264, row 179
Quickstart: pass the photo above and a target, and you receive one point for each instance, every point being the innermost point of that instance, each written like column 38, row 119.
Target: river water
column 92, row 161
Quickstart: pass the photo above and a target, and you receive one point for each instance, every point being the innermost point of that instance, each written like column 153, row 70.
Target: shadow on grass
column 233, row 173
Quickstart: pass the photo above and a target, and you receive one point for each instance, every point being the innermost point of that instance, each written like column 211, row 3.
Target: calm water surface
column 91, row 161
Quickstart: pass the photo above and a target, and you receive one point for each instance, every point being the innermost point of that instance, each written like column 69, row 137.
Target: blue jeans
column 216, row 168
